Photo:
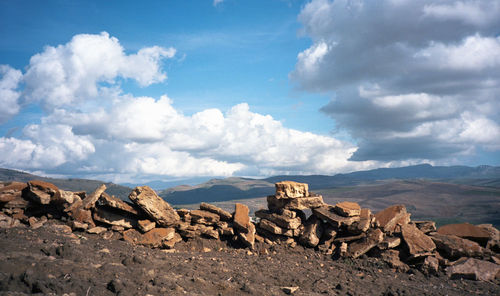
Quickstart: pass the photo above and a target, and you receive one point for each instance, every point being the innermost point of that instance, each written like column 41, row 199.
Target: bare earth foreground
column 49, row 260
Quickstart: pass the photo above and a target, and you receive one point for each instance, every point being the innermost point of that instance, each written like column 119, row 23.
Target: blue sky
column 129, row 91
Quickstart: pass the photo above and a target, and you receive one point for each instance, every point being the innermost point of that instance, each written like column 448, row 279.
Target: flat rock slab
column 348, row 209
column 114, row 218
column 290, row 189
column 283, row 221
column 204, row 217
column 454, row 247
column 358, row 248
column 158, row 209
column 12, row 191
column 392, row 217
column 224, row 215
column 474, row 269
column 145, row 225
column 89, row 201
column 425, row 226
column 116, row 203
column 466, row 230
column 328, row 213
column 153, row 238
column 274, row 229
column 42, row 192
column 302, row 203
column 416, row 241
column 241, row 218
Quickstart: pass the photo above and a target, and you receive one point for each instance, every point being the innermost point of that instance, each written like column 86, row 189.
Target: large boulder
column 454, row 247
column 12, row 191
column 42, row 192
column 467, row 231
column 474, row 269
column 290, row 189
column 358, row 248
column 118, row 204
column 417, row 242
column 392, row 218
column 158, row 209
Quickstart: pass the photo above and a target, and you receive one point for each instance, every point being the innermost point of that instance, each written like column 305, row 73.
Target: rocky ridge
column 343, row 230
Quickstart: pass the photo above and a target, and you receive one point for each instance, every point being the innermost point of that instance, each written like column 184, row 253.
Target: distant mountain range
column 233, row 188
column 243, row 188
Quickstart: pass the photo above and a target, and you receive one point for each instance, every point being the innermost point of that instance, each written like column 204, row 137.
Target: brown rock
column 312, row 233
column 225, row 229
column 208, row 231
column 35, row 223
column 391, row 257
column 158, row 209
column 16, row 203
column 283, row 221
column 454, row 247
column 425, row 226
column 290, row 189
column 114, row 218
column 77, row 212
column 118, row 204
column 302, row 203
column 416, row 241
column 145, row 225
column 153, row 238
column 363, row 224
column 467, row 231
column 89, row 201
column 96, row 230
column 390, row 242
column 275, row 229
column 8, row 222
column 391, row 217
column 183, row 212
column 204, row 217
column 12, row 191
column 349, row 238
column 343, row 250
column 329, row 231
column 348, row 209
column 241, row 218
column 224, row 215
column 42, row 192
column 67, row 197
column 430, row 265
column 248, row 238
column 75, row 225
column 328, row 213
column 187, row 230
column 474, row 269
column 169, row 244
column 358, row 248
column 494, row 241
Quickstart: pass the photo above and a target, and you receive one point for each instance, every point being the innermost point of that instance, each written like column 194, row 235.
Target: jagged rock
column 302, row 203
column 75, row 225
column 343, row 250
column 12, row 191
column 204, row 217
column 425, row 226
column 391, row 257
column 248, row 238
column 328, row 213
column 145, row 225
column 225, row 229
column 158, row 209
column 430, row 265
column 8, row 222
column 312, row 233
column 79, row 214
column 454, row 247
column 290, row 189
column 494, row 241
column 390, row 242
column 467, row 231
column 241, row 218
column 224, row 215
column 348, row 209
column 208, row 231
column 349, row 238
column 35, row 223
column 89, row 201
column 96, row 230
column 326, row 246
column 390, row 218
column 417, row 242
column 183, row 212
column 116, row 203
column 153, row 238
column 474, row 269
column 283, row 221
column 42, row 192
column 169, row 244
column 364, row 223
column 373, row 238
column 289, row 290
column 113, row 218
column 68, row 197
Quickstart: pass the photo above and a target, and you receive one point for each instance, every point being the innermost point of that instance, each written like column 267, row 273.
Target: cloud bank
column 91, row 127
column 409, row 79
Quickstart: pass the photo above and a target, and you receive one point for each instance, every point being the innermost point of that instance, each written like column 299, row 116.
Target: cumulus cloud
column 409, row 79
column 9, row 95
column 91, row 127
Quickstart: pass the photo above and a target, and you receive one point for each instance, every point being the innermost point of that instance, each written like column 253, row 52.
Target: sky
column 130, row 91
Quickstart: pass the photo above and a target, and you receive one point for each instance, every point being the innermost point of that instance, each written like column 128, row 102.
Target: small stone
column 290, row 189
column 474, row 269
column 289, row 290
column 153, row 238
column 96, row 230
column 158, row 209
column 349, row 238
column 75, row 225
column 430, row 265
column 348, row 209
column 145, row 225
column 224, row 215
column 169, row 244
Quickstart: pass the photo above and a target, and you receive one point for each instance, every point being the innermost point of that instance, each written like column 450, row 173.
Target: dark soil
column 47, row 261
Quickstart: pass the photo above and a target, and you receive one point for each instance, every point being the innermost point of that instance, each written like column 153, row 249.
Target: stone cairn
column 343, row 230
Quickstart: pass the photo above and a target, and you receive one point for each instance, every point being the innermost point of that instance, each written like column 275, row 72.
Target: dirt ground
column 48, row 261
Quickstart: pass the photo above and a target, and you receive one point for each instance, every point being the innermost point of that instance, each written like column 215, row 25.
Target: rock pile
column 294, row 216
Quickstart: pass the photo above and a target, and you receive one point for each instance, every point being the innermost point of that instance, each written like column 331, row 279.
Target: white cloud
column 409, row 79
column 217, row 2
column 9, row 81
column 66, row 74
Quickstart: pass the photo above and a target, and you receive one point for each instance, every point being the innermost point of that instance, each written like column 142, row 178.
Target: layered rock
column 158, row 209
